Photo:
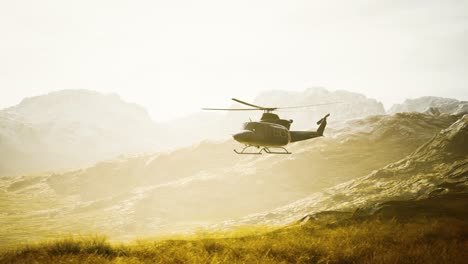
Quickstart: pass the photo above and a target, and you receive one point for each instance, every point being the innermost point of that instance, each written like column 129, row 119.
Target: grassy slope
column 420, row 240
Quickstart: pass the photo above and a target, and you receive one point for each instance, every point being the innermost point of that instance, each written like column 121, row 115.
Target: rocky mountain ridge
column 437, row 168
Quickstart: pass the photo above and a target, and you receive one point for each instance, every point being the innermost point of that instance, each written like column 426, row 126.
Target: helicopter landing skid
column 267, row 150
column 263, row 149
column 242, row 152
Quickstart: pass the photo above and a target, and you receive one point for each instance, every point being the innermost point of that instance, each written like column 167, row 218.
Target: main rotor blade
column 260, row 108
column 252, row 105
column 303, row 106
column 232, row 109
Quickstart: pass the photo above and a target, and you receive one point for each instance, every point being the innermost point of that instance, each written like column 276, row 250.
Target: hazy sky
column 189, row 54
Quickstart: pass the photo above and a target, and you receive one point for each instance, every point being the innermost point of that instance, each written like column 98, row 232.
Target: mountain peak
column 70, row 128
column 77, row 105
column 422, row 104
column 348, row 105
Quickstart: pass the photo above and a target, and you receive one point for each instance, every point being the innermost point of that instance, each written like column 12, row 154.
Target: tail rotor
column 323, row 119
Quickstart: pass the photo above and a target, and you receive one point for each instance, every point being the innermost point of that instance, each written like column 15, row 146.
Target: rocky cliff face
column 432, row 104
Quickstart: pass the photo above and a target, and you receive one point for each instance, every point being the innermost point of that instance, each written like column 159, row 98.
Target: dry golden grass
column 441, row 240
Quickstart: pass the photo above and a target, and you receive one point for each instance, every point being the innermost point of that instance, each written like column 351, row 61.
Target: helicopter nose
column 243, row 136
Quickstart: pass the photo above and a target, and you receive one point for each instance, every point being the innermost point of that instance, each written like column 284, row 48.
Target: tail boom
column 304, row 135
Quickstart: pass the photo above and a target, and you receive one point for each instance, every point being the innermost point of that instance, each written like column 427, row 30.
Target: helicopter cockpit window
column 249, row 126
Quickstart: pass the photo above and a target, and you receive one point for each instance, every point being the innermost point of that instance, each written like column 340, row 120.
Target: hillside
column 154, row 194
column 435, row 174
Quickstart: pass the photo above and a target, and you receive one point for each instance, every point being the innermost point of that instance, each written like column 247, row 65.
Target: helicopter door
column 276, row 133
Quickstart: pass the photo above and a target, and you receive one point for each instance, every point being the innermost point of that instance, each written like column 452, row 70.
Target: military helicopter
column 271, row 132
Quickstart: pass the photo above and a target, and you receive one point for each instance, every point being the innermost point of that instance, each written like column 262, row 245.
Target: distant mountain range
column 76, row 128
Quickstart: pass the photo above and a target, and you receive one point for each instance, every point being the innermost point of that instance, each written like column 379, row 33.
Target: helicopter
column 271, row 132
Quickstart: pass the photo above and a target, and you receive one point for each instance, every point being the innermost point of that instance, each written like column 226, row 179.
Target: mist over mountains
column 71, row 128
column 220, row 125
column 122, row 184
column 74, row 128
column 344, row 105
column 191, row 187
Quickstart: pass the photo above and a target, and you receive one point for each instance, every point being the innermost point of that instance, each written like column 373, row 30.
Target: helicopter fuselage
column 271, row 131
column 263, row 134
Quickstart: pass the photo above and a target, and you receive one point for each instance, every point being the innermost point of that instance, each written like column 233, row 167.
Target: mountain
column 343, row 105
column 432, row 104
column 203, row 184
column 71, row 128
column 84, row 106
column 432, row 178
